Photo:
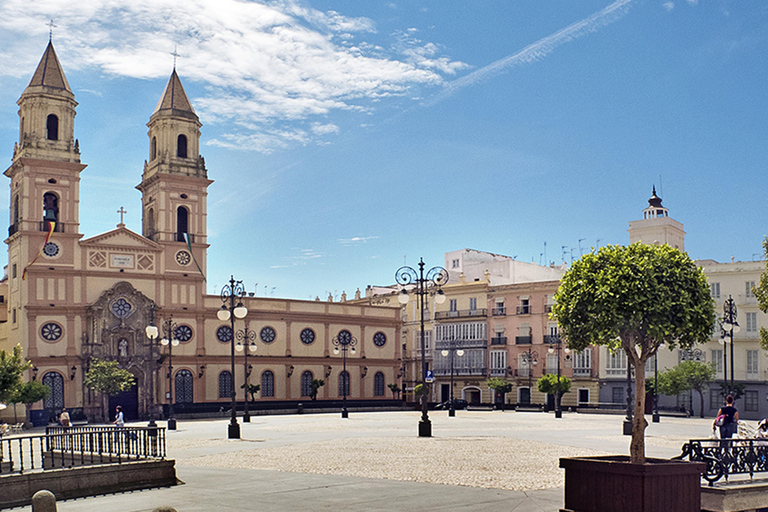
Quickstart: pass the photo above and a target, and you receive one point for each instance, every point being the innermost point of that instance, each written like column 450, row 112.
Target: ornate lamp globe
column 223, row 314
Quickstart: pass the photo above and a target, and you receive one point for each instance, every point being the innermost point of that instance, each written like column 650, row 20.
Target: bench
column 725, row 457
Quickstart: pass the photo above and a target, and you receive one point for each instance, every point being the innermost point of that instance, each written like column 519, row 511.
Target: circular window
column 379, row 339
column 183, row 258
column 224, row 334
column 345, row 337
column 267, row 335
column 51, row 331
column 121, row 308
column 50, row 249
column 307, row 336
column 183, row 333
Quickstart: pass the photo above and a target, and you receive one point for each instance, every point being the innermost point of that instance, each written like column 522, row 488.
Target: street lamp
column 245, row 336
column 425, row 285
column 556, row 345
column 656, row 415
column 529, row 360
column 729, row 327
column 459, row 352
column 232, row 297
column 170, row 340
column 346, row 341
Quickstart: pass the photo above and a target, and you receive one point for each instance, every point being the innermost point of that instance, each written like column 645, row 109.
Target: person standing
column 64, row 418
column 119, row 419
column 731, row 422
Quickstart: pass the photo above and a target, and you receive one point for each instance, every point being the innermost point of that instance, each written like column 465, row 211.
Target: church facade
column 72, row 298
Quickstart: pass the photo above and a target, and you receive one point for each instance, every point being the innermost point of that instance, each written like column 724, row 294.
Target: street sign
column 430, row 378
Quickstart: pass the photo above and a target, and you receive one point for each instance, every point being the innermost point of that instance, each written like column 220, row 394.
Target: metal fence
column 727, row 456
column 62, row 447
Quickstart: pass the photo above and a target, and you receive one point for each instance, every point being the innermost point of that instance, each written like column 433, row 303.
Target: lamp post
column 170, row 340
column 730, row 326
column 346, row 341
column 245, row 336
column 556, row 345
column 425, row 285
column 530, row 359
column 452, row 350
column 232, row 297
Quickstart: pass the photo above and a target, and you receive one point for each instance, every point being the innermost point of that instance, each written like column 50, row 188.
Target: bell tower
column 657, row 227
column 175, row 181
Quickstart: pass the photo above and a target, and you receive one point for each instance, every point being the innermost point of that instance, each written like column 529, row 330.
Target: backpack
column 720, row 420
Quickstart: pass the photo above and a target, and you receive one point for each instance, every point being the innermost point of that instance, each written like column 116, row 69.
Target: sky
column 347, row 138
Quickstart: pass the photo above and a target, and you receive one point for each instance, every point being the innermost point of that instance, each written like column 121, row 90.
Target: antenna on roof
column 50, row 30
column 581, row 252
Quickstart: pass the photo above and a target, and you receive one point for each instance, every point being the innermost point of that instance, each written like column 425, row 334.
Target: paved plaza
column 478, row 460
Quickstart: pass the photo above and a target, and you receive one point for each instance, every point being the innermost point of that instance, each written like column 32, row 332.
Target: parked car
column 458, row 403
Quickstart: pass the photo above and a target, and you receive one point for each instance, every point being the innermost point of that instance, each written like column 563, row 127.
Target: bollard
column 300, row 408
column 43, row 501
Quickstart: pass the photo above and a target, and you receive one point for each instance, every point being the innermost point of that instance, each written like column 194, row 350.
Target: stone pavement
column 478, row 460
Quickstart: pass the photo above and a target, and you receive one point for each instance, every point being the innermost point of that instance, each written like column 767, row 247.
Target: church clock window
column 181, row 146
column 51, row 331
column 224, row 334
column 52, row 127
column 121, row 308
column 183, row 333
column 182, row 223
column 50, row 209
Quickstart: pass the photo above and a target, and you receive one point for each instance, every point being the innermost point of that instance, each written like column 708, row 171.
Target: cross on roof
column 122, row 211
column 175, row 56
column 50, row 26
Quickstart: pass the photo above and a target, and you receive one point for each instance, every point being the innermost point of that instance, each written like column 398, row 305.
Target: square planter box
column 613, row 484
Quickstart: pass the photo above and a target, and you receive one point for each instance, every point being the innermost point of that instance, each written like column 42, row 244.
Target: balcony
column 523, row 310
column 499, row 340
column 460, row 372
column 523, row 340
column 582, row 372
column 498, row 372
column 464, row 313
column 499, row 311
column 551, row 339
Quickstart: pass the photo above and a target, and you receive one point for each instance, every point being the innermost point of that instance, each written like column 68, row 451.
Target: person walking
column 119, row 419
column 730, row 423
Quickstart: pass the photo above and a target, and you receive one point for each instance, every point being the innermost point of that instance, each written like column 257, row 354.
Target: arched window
column 306, row 383
column 182, row 223
column 184, row 384
column 50, row 207
column 15, row 213
column 153, row 149
column 150, row 230
column 55, row 400
column 378, row 384
column 181, row 146
column 225, row 385
column 52, row 127
column 267, row 383
column 344, row 384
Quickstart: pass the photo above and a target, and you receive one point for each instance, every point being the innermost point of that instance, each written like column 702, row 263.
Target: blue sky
column 346, row 137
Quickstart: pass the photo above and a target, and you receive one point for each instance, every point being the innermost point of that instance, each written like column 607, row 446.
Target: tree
column 12, row 366
column 107, row 379
column 687, row 376
column 316, row 384
column 548, row 384
column 500, row 386
column 634, row 298
column 29, row 393
column 395, row 389
column 252, row 390
column 761, row 292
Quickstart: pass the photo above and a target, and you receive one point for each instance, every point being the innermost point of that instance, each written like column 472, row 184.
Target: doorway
column 128, row 401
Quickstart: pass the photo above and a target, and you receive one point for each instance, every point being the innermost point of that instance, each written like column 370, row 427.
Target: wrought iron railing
column 464, row 313
column 523, row 340
column 725, row 457
column 499, row 340
column 80, row 446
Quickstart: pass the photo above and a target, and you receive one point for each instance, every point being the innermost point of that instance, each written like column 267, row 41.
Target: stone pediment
column 123, row 238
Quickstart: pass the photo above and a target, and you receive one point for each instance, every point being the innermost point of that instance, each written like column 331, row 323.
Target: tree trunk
column 637, row 446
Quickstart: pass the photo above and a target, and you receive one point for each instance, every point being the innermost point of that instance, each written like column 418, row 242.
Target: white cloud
column 324, row 129
column 268, row 69
column 356, row 240
column 668, row 5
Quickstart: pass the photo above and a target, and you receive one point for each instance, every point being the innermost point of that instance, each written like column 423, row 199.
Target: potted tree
column 634, row 299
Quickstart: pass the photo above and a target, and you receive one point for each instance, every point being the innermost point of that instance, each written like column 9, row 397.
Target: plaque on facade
column 121, row 260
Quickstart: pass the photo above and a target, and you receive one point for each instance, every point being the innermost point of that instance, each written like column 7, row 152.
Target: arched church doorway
column 129, row 401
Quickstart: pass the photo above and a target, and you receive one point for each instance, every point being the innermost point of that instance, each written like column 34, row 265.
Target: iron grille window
column 344, row 384
column 55, row 381
column 267, row 383
column 378, row 384
column 225, row 385
column 306, row 383
column 750, row 401
column 617, row 395
column 184, row 384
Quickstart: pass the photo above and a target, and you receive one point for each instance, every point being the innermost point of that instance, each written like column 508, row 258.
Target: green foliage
column 252, row 390
column 12, row 366
column 421, row 389
column 31, row 392
column 761, row 292
column 499, row 385
column 686, row 376
column 635, row 299
column 108, row 378
column 316, row 384
column 394, row 388
column 548, row 384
